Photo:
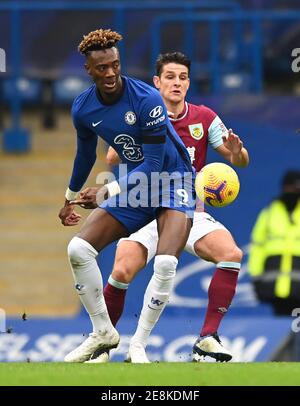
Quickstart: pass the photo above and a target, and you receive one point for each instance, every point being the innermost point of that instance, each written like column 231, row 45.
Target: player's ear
column 156, row 81
column 189, row 82
column 88, row 68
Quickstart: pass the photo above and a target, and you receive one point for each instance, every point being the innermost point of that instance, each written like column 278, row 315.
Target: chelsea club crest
column 130, row 117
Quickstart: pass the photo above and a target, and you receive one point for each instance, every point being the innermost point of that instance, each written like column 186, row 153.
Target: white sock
column 156, row 297
column 88, row 282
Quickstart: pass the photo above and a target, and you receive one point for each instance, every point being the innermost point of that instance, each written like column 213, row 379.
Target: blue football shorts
column 140, row 205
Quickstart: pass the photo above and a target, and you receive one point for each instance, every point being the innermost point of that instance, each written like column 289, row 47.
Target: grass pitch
column 156, row 374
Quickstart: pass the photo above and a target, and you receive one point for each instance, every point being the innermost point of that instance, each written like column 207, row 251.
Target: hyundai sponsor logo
column 156, row 112
column 157, row 121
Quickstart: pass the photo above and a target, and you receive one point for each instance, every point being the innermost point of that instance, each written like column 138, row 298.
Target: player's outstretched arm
column 233, row 150
column 83, row 164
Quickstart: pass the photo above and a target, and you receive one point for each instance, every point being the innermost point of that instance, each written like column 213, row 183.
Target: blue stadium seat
column 235, row 82
column 66, row 89
column 29, row 90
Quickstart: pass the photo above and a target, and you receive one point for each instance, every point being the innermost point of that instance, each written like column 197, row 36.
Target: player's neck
column 175, row 108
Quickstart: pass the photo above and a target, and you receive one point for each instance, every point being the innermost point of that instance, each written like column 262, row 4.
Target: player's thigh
column 101, row 228
column 146, row 236
column 217, row 246
column 131, row 257
column 173, row 230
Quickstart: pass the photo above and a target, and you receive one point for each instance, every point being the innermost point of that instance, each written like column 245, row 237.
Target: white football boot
column 137, row 354
column 210, row 346
column 95, row 341
column 198, row 358
column 99, row 357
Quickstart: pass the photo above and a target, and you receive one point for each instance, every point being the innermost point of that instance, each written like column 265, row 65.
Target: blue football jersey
column 136, row 126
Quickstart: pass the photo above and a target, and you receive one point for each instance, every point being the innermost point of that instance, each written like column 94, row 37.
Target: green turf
column 200, row 374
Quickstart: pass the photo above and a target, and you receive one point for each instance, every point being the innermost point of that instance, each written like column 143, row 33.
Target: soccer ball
column 217, row 184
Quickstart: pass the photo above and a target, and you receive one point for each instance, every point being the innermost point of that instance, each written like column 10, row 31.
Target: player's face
column 173, row 83
column 105, row 68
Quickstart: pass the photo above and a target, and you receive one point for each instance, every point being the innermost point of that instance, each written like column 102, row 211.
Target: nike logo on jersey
column 95, row 124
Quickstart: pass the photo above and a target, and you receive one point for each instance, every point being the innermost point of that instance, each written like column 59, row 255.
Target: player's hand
column 68, row 216
column 102, row 195
column 232, row 142
column 87, row 198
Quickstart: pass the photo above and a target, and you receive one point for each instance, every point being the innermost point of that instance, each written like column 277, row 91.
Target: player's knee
column 236, row 254
column 232, row 254
column 123, row 272
column 239, row 254
column 80, row 251
column 165, row 266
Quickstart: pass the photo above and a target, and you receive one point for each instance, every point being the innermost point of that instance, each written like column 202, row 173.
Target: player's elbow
column 112, row 158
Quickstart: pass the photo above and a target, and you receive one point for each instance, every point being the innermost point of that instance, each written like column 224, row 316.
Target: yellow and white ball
column 217, row 184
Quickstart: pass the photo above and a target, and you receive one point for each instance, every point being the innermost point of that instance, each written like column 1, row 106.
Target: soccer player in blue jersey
column 131, row 117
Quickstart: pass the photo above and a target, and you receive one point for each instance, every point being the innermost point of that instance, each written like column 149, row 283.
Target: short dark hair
column 171, row 57
column 99, row 39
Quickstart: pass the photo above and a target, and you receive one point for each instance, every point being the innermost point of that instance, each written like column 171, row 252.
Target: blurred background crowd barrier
column 233, row 48
column 242, row 56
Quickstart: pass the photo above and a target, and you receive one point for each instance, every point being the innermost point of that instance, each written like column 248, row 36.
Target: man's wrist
column 70, row 195
column 113, row 188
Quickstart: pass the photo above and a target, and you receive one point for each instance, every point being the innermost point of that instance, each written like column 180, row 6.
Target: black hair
column 171, row 57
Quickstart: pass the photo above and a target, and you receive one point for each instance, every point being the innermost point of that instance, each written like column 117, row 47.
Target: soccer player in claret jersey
column 197, row 126
column 124, row 111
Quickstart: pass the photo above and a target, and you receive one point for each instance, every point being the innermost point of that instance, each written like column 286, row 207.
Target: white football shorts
column 202, row 225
